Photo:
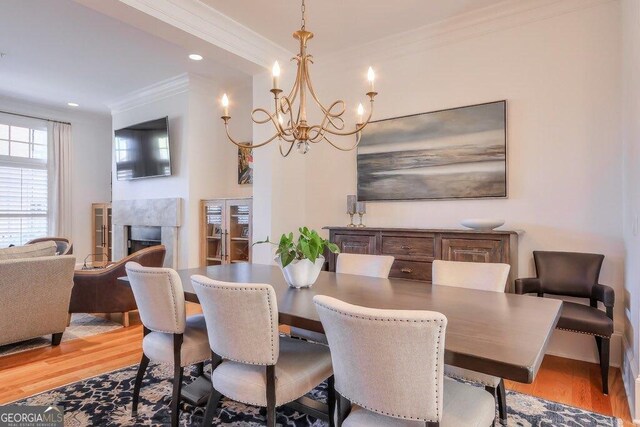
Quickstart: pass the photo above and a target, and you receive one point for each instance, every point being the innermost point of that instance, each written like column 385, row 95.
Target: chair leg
column 177, row 380
column 212, row 407
column 501, row 397
column 56, row 339
column 271, row 396
column 343, row 408
column 331, row 401
column 215, row 396
column 200, row 369
column 144, row 362
column 603, row 349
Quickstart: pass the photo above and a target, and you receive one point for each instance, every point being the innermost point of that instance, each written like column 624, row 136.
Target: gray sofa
column 35, row 289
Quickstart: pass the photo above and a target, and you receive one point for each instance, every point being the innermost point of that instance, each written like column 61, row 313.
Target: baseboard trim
column 631, row 380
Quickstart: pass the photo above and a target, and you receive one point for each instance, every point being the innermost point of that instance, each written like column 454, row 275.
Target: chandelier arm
column 290, row 111
column 327, row 111
column 246, row 144
column 293, row 94
column 288, row 151
column 327, row 119
column 280, row 131
column 268, row 116
column 289, row 137
column 318, row 137
column 359, row 126
column 358, row 137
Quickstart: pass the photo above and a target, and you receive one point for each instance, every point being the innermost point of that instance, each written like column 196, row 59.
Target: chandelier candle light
column 291, row 127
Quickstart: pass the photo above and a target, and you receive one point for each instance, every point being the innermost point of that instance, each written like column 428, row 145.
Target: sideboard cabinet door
column 356, row 244
column 361, row 243
column 472, row 250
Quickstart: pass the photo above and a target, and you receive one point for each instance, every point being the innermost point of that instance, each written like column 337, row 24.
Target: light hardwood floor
column 21, row 375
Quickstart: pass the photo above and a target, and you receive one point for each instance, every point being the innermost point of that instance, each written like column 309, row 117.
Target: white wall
column 177, row 185
column 630, row 11
column 560, row 76
column 91, row 162
column 204, row 164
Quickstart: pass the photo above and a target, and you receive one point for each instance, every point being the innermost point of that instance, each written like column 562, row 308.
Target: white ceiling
column 59, row 51
column 338, row 24
column 94, row 52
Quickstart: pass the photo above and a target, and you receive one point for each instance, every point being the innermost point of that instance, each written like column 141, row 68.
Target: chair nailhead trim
column 382, row 319
column 584, row 333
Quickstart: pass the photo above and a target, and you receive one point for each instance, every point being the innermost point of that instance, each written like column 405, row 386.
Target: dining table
column 495, row 333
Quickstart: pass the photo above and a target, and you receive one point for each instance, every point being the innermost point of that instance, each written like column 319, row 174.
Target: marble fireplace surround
column 164, row 213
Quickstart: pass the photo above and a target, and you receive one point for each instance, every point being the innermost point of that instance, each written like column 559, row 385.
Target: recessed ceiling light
column 195, row 57
column 72, row 104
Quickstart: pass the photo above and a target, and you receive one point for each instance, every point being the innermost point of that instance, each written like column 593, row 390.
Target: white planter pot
column 301, row 273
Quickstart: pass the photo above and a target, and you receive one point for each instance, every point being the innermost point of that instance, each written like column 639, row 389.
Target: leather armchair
column 98, row 291
column 576, row 274
column 64, row 245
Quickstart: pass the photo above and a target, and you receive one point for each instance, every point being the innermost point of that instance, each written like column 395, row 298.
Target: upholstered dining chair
column 483, row 276
column 576, row 274
column 360, row 265
column 364, row 265
column 251, row 363
column 388, row 367
column 169, row 336
column 64, row 246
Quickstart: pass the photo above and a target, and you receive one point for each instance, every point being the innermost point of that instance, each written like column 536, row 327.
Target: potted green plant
column 301, row 260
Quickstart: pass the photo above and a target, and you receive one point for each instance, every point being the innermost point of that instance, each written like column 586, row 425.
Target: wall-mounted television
column 143, row 150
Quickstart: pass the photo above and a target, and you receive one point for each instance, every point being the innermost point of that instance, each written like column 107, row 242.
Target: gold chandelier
column 292, row 128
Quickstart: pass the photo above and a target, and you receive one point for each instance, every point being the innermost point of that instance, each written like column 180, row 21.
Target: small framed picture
column 217, row 231
column 245, row 232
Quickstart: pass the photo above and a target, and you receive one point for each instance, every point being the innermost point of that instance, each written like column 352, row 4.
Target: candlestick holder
column 351, row 224
column 351, row 208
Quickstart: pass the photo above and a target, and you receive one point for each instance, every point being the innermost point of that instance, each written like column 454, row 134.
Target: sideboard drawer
column 411, row 270
column 411, row 247
column 472, row 250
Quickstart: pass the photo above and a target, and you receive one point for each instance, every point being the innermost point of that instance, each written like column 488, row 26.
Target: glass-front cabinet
column 101, row 231
column 226, row 231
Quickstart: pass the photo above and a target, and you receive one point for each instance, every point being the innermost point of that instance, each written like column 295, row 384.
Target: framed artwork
column 245, row 166
column 460, row 153
column 245, row 232
column 217, row 231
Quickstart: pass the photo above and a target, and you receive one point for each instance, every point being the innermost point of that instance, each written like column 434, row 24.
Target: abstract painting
column 245, row 166
column 459, row 153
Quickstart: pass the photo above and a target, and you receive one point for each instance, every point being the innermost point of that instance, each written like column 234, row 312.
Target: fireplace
column 141, row 236
column 141, row 223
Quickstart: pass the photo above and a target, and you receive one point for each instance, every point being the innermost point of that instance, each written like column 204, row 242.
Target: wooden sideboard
column 415, row 249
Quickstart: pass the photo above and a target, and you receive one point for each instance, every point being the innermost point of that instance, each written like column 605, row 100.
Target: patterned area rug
column 82, row 325
column 105, row 400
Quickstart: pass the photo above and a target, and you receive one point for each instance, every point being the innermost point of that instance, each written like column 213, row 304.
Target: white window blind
column 23, row 181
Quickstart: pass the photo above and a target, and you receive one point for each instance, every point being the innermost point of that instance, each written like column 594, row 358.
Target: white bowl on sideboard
column 482, row 224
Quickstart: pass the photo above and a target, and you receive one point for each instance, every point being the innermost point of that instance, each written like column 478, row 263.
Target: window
column 23, row 180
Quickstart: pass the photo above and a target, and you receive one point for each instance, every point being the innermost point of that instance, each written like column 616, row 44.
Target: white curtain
column 59, row 161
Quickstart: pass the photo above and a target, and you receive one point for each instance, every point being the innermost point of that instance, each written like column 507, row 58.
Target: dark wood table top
column 500, row 334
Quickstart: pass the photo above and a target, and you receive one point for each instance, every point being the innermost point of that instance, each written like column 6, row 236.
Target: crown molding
column 203, row 21
column 152, row 93
column 498, row 17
